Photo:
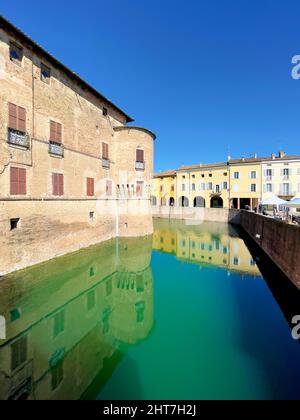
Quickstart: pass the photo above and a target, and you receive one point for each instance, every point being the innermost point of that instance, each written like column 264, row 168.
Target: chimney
column 281, row 154
column 273, row 156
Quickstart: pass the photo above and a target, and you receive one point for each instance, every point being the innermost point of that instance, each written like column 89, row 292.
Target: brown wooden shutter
column 105, row 151
column 109, row 188
column 58, row 133
column 54, row 184
column 61, row 184
column 52, row 131
column 139, row 155
column 17, row 181
column 22, row 119
column 139, row 188
column 14, row 181
column 22, row 181
column 90, row 187
column 12, row 116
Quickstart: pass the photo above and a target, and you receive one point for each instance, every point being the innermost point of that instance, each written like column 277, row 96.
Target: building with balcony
column 72, row 171
column 239, row 183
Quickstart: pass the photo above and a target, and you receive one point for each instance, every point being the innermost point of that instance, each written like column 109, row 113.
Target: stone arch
column 216, row 202
column 153, row 200
column 183, row 201
column 199, row 202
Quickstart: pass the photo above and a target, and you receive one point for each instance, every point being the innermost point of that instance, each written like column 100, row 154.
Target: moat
column 194, row 312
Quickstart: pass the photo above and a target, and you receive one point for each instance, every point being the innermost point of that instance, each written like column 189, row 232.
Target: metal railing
column 17, row 138
column 140, row 166
column 105, row 163
column 56, row 149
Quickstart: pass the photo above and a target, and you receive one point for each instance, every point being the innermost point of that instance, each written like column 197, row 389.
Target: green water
column 185, row 314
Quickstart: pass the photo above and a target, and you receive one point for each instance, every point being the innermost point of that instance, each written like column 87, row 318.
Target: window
column 183, row 187
column 217, row 188
column 105, row 155
column 172, row 188
column 253, row 188
column 253, row 175
column 269, row 173
column 109, row 287
column 90, row 187
column 55, row 132
column 104, row 112
column 58, row 323
column 58, row 184
column 18, row 353
column 161, row 188
column 236, row 261
column 108, row 188
column 16, row 118
column 45, row 73
column 193, row 176
column 91, row 300
column 236, row 175
column 193, row 187
column 139, row 188
column 210, row 186
column 286, row 172
column 183, row 176
column 57, row 375
column 203, row 176
column 298, row 171
column 225, row 185
column 14, row 224
column 225, row 173
column 210, row 175
column 17, row 181
column 92, row 216
column 15, row 53
column 203, row 186
column 140, row 155
column 269, row 188
column 15, row 314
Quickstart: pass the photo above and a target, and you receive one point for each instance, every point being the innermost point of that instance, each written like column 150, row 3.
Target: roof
column 4, row 23
column 134, row 127
column 264, row 159
column 165, row 174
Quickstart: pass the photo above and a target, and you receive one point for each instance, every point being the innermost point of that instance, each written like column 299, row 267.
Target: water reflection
column 208, row 244
column 71, row 320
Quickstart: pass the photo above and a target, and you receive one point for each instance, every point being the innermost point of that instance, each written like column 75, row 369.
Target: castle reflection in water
column 71, row 320
column 208, row 244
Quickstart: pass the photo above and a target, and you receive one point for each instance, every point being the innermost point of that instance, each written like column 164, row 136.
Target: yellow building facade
column 239, row 183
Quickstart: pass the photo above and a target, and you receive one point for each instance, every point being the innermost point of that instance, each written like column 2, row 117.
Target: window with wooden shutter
column 17, row 181
column 58, row 184
column 18, row 352
column 16, row 118
column 105, row 151
column 139, row 188
column 90, row 187
column 55, row 132
column 109, row 188
column 139, row 155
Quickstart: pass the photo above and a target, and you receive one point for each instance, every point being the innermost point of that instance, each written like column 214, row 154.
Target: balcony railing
column 287, row 193
column 140, row 166
column 105, row 163
column 56, row 149
column 18, row 138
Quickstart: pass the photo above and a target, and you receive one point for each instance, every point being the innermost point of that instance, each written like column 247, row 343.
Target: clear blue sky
column 207, row 76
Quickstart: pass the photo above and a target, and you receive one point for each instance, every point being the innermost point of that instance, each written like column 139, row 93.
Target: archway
column 163, row 202
column 216, row 202
column 153, row 200
column 183, row 201
column 199, row 202
column 171, row 202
